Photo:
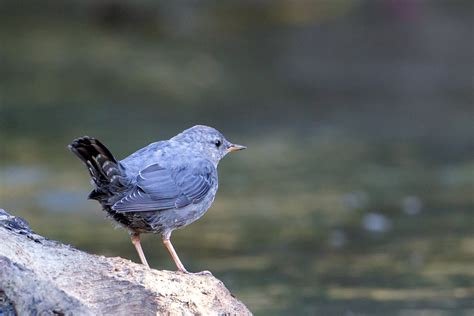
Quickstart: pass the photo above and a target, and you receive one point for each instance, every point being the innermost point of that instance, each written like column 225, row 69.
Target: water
column 293, row 243
column 355, row 195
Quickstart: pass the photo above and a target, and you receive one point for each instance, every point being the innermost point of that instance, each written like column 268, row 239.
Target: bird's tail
column 105, row 170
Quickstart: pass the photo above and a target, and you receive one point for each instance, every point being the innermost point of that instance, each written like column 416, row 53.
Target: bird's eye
column 218, row 143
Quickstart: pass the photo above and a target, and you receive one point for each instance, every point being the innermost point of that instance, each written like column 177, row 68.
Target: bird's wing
column 159, row 188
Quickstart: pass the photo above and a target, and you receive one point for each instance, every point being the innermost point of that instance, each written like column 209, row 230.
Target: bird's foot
column 205, row 272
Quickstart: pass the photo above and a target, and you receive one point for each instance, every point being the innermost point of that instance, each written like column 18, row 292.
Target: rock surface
column 44, row 277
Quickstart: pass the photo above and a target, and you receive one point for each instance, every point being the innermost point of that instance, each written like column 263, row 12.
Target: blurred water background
column 356, row 193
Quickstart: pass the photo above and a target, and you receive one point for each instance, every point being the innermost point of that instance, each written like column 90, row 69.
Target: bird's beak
column 235, row 147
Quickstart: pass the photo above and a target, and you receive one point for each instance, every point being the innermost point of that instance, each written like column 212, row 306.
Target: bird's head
column 207, row 141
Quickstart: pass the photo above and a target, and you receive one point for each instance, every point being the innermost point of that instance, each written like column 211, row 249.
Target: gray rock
column 43, row 277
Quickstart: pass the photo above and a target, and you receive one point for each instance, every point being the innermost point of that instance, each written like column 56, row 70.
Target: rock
column 44, row 277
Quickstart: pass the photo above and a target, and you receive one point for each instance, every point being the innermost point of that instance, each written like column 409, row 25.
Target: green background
column 356, row 193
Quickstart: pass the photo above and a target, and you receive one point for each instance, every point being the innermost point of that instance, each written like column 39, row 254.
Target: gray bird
column 159, row 188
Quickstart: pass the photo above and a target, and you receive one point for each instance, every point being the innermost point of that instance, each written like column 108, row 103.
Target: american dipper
column 159, row 188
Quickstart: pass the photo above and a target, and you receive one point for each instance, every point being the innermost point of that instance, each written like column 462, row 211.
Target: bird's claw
column 205, row 272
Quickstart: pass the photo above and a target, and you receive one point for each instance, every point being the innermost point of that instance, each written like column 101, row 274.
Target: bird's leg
column 174, row 255
column 136, row 242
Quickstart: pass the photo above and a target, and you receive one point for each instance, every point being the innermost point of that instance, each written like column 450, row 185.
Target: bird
column 164, row 186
